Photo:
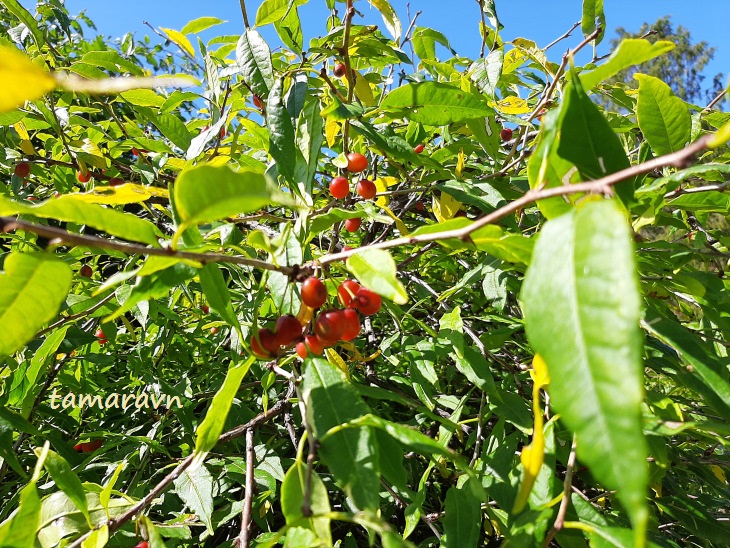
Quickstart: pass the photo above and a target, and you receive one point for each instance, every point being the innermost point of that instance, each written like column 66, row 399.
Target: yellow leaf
column 398, row 223
column 128, row 193
column 513, row 59
column 335, row 359
column 176, row 163
column 382, row 184
column 511, row 105
column 721, row 137
column 180, row 39
column 446, row 207
column 21, row 80
column 533, row 455
column 460, row 163
column 27, row 147
column 363, row 91
column 719, row 473
column 331, row 129
column 22, row 132
column 305, row 314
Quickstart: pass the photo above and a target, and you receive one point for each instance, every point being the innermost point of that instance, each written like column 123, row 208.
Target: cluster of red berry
column 330, row 327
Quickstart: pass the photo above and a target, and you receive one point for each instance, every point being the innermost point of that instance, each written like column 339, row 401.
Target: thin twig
column 681, row 158
column 245, row 14
column 243, row 539
column 565, row 502
column 563, row 37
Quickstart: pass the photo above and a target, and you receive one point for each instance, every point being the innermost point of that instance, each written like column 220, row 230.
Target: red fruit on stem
column 214, row 330
column 143, row 544
column 505, row 134
column 366, row 189
column 86, row 271
column 329, row 326
column 356, row 162
column 352, row 225
column 288, row 330
column 420, row 206
column 418, row 149
column 339, row 70
column 79, row 447
column 257, row 343
column 314, row 293
column 368, row 303
column 83, row 178
column 339, row 187
column 257, row 101
column 22, row 170
column 347, row 248
column 32, row 198
column 352, row 324
column 100, row 335
column 205, row 308
column 315, row 345
column 91, row 446
column 347, row 293
column 269, row 341
column 135, row 152
column 302, row 350
column 116, row 181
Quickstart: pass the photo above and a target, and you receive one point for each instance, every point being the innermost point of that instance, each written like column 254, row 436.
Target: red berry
column 339, row 187
column 315, row 345
column 258, row 340
column 339, row 70
column 366, row 189
column 314, row 293
column 368, row 303
column 351, row 225
column 356, row 162
column 257, row 101
column 269, row 341
column 86, row 271
column 56, row 194
column 116, row 181
column 91, row 446
column 135, row 152
column 505, row 134
column 420, row 206
column 418, row 149
column 22, row 170
column 352, row 324
column 32, row 198
column 83, row 178
column 347, row 248
column 143, row 544
column 347, row 293
column 79, row 447
column 302, row 350
column 214, row 330
column 329, row 326
column 100, row 335
column 205, row 308
column 288, row 330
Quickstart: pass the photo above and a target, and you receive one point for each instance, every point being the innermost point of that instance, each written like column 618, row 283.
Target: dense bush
column 532, row 348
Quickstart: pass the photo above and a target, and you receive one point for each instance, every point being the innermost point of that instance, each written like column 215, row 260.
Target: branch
column 59, row 236
column 115, row 524
column 243, row 539
column 681, row 159
column 563, row 510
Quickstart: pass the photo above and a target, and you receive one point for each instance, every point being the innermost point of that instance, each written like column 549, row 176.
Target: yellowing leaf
column 331, row 129
column 128, row 193
column 382, row 184
column 533, row 455
column 335, row 359
column 27, row 147
column 445, row 207
column 22, row 132
column 20, row 79
column 721, row 137
column 398, row 223
column 180, row 39
column 363, row 91
column 460, row 162
column 511, row 105
column 513, row 59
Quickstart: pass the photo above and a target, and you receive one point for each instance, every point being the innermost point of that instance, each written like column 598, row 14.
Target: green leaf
column 424, row 42
column 200, row 24
column 217, row 294
column 292, row 498
column 25, row 17
column 254, row 58
column 376, row 270
column 271, row 11
column 211, row 427
column 32, row 289
column 207, row 193
column 587, row 140
column 633, row 51
column 593, row 17
column 72, row 209
column 463, row 517
column 434, row 104
column 171, row 127
column 289, row 30
column 392, row 23
column 98, row 538
column 351, row 455
column 581, row 306
column 195, row 488
column 706, row 368
column 67, row 481
column 281, row 142
column 143, row 98
column 489, row 8
column 320, row 223
column 309, row 138
column 20, row 530
column 664, row 118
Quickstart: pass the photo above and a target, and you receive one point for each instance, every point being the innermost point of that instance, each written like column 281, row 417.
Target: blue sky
column 539, row 20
